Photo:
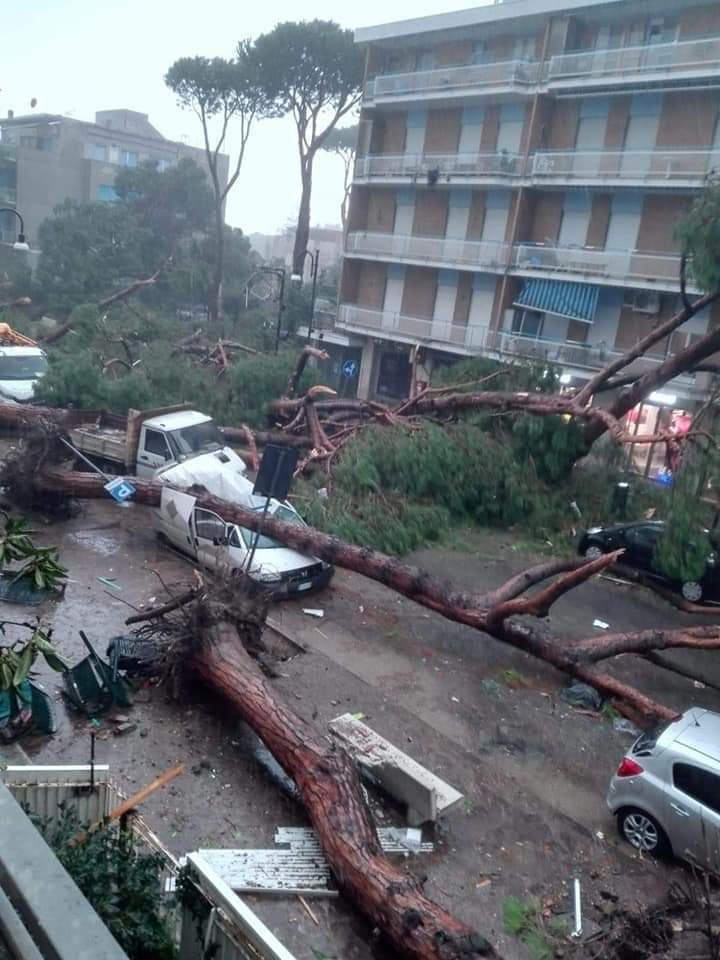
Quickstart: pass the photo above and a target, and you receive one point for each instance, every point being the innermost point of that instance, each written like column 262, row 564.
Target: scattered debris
column 623, row 725
column 313, row 612
column 600, row 624
column 426, row 795
column 582, row 695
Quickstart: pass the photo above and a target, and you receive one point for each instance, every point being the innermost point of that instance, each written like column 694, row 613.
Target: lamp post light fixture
column 21, row 243
column 297, row 279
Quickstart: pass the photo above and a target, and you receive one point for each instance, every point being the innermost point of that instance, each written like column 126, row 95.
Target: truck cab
column 20, row 369
column 173, row 438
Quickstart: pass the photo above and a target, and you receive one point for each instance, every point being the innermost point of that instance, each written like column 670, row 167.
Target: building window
column 38, row 143
column 528, row 323
column 163, row 165
column 128, row 158
column 106, row 193
column 100, row 152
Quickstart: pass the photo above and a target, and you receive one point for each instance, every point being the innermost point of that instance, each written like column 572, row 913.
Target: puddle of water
column 104, row 544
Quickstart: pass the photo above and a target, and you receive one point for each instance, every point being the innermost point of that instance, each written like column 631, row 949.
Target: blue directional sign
column 350, row 369
column 120, row 489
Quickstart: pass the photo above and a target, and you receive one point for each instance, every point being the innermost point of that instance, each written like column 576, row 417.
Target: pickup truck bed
column 105, row 443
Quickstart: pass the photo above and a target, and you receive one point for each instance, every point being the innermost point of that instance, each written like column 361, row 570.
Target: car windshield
column 22, row 368
column 194, row 439
column 241, row 536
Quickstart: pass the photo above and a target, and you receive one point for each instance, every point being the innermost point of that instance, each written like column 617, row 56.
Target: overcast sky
column 79, row 56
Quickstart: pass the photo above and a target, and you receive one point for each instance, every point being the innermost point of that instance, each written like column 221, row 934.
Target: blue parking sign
column 120, row 489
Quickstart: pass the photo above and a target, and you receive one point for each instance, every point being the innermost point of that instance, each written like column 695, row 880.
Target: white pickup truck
column 149, row 442
column 184, row 448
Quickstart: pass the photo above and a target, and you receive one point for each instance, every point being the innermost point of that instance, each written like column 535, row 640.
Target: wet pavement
column 484, row 717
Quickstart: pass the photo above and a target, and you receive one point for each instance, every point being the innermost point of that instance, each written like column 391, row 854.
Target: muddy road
column 483, row 716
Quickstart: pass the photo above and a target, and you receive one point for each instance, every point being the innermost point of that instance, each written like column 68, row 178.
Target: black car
column 639, row 540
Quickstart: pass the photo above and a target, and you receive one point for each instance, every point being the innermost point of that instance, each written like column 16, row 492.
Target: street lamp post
column 297, row 277
column 21, row 243
column 278, row 272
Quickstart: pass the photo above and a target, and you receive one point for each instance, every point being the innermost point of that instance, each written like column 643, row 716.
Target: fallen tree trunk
column 494, row 613
column 329, row 787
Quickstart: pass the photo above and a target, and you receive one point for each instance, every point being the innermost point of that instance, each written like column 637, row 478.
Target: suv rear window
column 699, row 784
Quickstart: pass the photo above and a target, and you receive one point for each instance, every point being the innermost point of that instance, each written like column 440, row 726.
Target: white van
column 212, row 542
column 20, row 370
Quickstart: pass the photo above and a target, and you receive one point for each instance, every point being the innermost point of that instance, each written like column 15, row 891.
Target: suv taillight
column 629, row 768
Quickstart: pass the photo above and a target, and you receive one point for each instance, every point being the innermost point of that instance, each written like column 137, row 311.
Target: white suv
column 666, row 792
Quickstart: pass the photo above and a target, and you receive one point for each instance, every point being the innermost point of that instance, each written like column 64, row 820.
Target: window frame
column 214, row 518
column 150, row 432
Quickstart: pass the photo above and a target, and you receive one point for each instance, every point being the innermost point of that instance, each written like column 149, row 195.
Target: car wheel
column 593, row 551
column 643, row 832
column 692, row 591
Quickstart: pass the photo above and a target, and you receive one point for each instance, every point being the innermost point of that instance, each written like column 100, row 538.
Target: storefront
column 659, row 414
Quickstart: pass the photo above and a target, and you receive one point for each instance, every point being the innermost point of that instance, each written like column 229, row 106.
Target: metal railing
column 502, row 164
column 590, row 355
column 629, row 266
column 481, row 339
column 420, row 328
column 489, row 255
column 504, row 73
column 701, row 55
column 659, row 166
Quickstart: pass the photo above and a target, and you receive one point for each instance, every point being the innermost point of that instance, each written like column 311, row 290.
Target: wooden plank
column 426, row 795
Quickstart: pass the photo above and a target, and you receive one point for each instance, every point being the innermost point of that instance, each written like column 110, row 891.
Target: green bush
column 242, row 395
column 396, row 489
column 121, row 882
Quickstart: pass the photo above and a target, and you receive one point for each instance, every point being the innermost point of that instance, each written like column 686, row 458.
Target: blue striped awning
column 577, row 301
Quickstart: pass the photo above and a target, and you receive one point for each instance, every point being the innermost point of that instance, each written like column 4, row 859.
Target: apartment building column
column 367, row 369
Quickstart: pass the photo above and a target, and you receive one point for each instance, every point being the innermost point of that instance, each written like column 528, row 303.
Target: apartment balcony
column 452, row 83
column 467, row 167
column 629, row 268
column 659, row 168
column 578, row 356
column 384, row 323
column 470, row 254
column 658, row 62
column 8, row 195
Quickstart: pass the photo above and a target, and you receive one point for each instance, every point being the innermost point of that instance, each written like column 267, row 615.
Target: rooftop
column 502, row 13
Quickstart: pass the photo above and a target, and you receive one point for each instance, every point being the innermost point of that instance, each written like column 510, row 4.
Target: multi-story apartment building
column 48, row 158
column 520, row 174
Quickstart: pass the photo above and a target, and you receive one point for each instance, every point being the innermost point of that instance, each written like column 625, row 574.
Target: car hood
column 280, row 560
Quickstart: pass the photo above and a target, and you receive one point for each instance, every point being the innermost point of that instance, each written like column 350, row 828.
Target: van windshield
column 196, row 439
column 241, row 536
column 22, row 368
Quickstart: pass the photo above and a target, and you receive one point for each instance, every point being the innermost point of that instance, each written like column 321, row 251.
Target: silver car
column 666, row 792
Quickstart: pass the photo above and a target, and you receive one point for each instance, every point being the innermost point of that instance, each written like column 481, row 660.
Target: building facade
column 520, row 173
column 48, row 158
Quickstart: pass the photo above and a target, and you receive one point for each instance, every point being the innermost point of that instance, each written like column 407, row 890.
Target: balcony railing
column 687, row 56
column 440, row 331
column 627, row 266
column 481, row 339
column 484, row 75
column 468, row 253
column 503, row 164
column 658, row 166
